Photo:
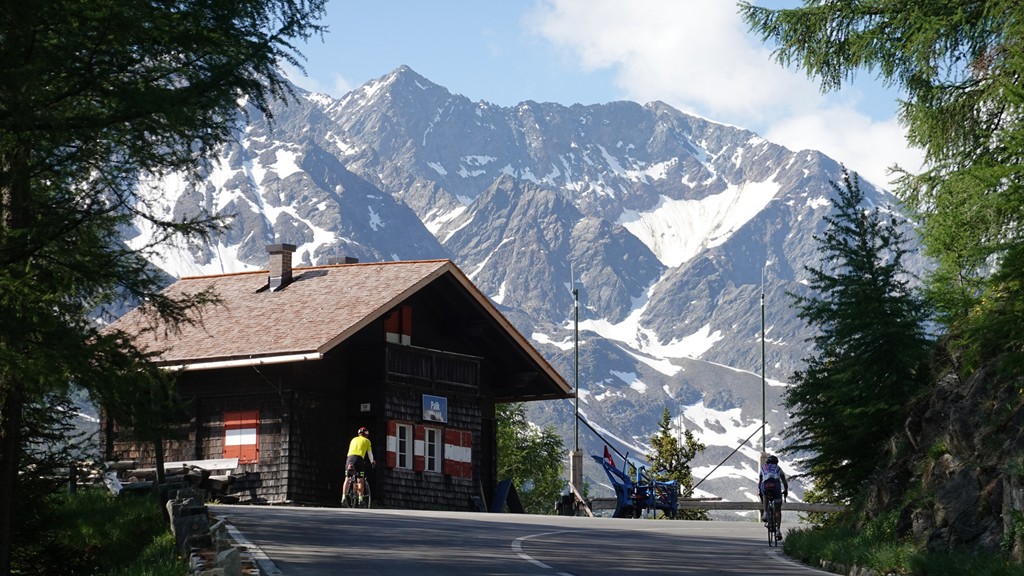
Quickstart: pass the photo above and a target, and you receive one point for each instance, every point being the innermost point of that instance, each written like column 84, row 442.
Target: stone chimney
column 280, row 265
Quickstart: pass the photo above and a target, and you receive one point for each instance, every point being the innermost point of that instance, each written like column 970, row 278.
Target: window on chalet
column 241, row 436
column 439, row 449
column 432, row 449
column 403, row 448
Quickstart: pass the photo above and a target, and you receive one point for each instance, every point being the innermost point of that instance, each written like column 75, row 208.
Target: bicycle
column 774, row 528
column 351, row 498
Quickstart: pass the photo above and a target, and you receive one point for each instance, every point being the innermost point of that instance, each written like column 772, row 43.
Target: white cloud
column 693, row 53
column 870, row 147
column 698, row 56
column 338, row 86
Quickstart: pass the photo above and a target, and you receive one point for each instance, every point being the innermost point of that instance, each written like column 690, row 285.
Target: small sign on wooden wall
column 435, row 408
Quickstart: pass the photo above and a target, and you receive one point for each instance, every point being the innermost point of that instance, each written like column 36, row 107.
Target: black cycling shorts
column 355, row 465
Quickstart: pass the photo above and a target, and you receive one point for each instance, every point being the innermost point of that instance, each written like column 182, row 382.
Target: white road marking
column 517, row 547
column 266, row 565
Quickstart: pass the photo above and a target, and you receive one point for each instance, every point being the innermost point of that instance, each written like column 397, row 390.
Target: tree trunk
column 14, row 193
column 11, row 403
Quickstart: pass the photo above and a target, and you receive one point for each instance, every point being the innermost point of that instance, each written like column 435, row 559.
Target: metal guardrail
column 699, row 504
column 788, row 506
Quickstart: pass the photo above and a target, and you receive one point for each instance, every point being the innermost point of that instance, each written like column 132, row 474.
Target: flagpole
column 764, row 420
column 576, row 457
column 576, row 366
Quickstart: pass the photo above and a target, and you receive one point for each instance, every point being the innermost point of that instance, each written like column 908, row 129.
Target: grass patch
column 961, row 563
column 95, row 533
column 876, row 548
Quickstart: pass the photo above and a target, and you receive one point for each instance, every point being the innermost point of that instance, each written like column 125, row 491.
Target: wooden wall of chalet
column 399, row 488
column 411, row 373
column 267, row 479
column 302, row 431
column 119, row 445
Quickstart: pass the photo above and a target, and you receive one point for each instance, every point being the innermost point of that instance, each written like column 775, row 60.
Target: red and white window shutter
column 419, row 459
column 391, row 456
column 398, row 325
column 458, row 453
column 241, row 436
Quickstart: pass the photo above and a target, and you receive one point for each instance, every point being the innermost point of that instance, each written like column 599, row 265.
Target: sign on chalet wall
column 435, row 408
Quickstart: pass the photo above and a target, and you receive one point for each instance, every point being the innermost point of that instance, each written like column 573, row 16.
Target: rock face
column 958, row 478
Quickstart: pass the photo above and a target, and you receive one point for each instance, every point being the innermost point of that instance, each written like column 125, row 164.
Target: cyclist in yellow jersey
column 359, row 453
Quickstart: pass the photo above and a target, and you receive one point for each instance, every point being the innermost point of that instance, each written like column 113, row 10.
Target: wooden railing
column 434, row 368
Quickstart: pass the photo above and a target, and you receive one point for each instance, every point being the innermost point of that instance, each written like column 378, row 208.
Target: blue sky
column 695, row 55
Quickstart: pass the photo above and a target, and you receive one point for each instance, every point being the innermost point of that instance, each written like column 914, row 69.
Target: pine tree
column 868, row 347
column 959, row 63
column 670, row 459
column 93, row 97
column 532, row 457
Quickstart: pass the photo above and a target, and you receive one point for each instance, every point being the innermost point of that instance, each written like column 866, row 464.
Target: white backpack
column 771, row 480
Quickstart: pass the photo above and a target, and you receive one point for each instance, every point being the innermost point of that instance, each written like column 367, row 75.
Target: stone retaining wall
column 207, row 545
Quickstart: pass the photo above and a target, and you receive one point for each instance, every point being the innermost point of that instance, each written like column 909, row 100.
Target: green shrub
column 964, row 562
column 158, row 558
column 937, row 450
column 875, row 547
column 95, row 533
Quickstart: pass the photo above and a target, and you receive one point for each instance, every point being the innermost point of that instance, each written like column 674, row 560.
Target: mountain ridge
column 670, row 225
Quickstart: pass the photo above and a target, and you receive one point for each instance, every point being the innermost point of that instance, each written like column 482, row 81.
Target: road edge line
column 263, row 562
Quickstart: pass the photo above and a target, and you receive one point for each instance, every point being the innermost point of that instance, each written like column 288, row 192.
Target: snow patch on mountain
column 472, row 275
column 631, row 379
column 721, row 427
column 176, row 259
column 436, row 219
column 544, row 339
column 438, row 168
column 677, row 230
column 499, row 298
column 663, row 365
column 453, row 214
column 286, row 164
column 376, row 221
column 631, row 334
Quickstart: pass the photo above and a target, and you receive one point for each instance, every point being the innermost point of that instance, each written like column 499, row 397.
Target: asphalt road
column 344, row 542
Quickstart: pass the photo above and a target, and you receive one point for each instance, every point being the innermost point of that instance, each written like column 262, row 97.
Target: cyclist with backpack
column 772, row 485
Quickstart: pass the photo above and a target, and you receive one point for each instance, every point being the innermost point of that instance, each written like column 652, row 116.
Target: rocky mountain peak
column 669, row 224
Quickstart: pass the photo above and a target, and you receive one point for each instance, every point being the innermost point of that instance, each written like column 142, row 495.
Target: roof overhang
column 243, row 362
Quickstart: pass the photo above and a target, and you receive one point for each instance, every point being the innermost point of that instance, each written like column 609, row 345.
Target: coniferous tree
column 94, row 96
column 670, row 459
column 869, row 343
column 532, row 457
column 959, row 63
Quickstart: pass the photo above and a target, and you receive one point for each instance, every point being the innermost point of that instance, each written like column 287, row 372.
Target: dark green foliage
column 876, row 547
column 670, row 460
column 960, row 63
column 94, row 533
column 534, row 458
column 868, row 346
column 992, row 327
column 95, row 97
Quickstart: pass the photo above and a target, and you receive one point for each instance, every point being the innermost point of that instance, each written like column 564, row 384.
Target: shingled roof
column 317, row 310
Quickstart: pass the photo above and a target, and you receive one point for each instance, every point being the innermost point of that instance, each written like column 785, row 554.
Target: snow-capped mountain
column 670, row 226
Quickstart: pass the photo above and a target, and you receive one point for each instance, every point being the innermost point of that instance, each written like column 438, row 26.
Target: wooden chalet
column 294, row 361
